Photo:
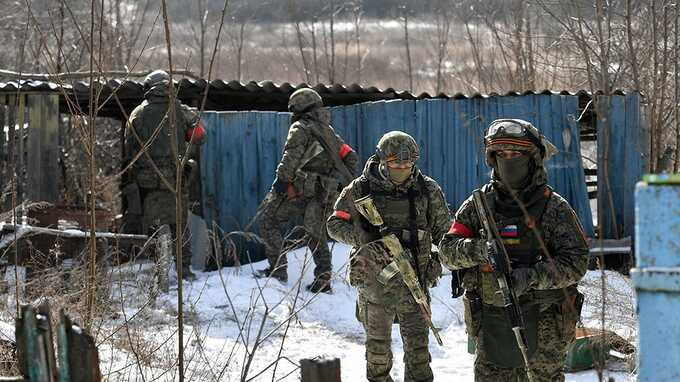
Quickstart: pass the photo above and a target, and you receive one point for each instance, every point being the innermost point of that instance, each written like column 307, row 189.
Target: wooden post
column 78, row 356
column 43, row 148
column 4, row 158
column 164, row 251
column 320, row 370
column 34, row 345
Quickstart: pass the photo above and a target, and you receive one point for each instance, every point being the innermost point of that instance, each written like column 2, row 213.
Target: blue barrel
column 657, row 280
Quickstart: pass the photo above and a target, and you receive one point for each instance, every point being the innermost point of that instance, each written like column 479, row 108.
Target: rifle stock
column 497, row 256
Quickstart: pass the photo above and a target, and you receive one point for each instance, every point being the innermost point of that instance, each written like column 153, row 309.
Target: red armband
column 460, row 229
column 197, row 131
column 344, row 150
column 342, row 215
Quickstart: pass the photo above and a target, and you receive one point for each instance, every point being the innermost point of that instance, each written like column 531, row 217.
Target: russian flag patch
column 509, row 231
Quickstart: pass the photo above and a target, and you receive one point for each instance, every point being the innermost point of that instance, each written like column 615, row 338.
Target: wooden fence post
column 320, row 370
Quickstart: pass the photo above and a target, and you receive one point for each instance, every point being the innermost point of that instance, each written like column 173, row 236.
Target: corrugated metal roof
column 234, row 95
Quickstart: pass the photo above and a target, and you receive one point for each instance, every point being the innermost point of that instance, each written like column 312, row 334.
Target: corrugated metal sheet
column 244, row 147
column 622, row 141
column 235, row 95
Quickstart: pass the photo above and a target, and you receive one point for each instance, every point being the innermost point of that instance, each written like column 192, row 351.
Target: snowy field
column 219, row 303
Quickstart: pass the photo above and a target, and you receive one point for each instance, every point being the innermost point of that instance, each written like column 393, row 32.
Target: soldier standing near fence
column 413, row 208
column 149, row 201
column 315, row 165
column 547, row 249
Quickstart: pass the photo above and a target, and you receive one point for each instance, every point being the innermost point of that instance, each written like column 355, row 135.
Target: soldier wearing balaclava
column 547, row 250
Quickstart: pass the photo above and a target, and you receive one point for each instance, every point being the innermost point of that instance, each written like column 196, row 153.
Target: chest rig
column 519, row 232
column 406, row 217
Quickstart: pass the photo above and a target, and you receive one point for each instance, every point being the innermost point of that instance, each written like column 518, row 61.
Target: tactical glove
column 279, row 186
column 523, row 279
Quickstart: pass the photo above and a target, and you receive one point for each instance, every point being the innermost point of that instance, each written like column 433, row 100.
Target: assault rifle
column 499, row 260
column 400, row 261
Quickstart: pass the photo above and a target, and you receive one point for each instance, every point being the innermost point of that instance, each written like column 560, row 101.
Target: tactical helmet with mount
column 155, row 78
column 304, row 100
column 517, row 135
column 397, row 146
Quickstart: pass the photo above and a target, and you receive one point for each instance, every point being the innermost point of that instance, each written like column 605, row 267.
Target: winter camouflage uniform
column 307, row 183
column 416, row 205
column 545, row 282
column 149, row 203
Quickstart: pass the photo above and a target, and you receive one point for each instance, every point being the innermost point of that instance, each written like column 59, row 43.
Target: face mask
column 399, row 175
column 514, row 172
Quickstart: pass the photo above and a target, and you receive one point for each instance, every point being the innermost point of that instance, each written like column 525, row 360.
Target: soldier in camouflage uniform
column 148, row 199
column 414, row 209
column 548, row 253
column 307, row 183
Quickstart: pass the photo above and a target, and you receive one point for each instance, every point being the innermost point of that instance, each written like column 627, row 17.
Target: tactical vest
column 520, row 239
column 405, row 215
column 518, row 231
column 163, row 150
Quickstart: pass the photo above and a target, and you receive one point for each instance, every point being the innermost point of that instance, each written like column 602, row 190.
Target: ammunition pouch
column 568, row 315
column 472, row 309
column 330, row 186
column 148, row 177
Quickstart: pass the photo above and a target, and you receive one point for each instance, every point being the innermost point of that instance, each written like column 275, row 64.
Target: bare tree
column 404, row 16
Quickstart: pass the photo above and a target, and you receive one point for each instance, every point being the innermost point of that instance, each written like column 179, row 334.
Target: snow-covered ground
column 234, row 322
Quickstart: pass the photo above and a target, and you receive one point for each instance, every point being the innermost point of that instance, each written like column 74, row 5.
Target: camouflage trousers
column 313, row 214
column 158, row 208
column 377, row 320
column 547, row 362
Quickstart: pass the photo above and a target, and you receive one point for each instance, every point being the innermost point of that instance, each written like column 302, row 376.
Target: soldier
column 316, row 163
column 148, row 198
column 548, row 254
column 413, row 208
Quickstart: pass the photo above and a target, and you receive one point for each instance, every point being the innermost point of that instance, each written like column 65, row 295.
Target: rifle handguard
column 366, row 207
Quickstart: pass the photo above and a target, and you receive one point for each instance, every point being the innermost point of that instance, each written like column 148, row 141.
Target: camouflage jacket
column 303, row 152
column 564, row 264
column 348, row 226
column 143, row 129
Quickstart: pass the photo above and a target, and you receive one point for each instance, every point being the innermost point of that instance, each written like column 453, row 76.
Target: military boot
column 320, row 286
column 280, row 275
column 187, row 274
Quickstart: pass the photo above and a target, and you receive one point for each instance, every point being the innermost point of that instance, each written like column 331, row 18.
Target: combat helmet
column 304, row 100
column 397, row 146
column 155, row 78
column 517, row 135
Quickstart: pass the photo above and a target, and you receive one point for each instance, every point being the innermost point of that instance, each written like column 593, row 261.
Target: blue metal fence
column 243, row 148
column 622, row 141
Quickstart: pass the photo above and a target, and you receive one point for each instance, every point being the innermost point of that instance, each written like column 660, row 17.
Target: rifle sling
column 413, row 228
column 337, row 162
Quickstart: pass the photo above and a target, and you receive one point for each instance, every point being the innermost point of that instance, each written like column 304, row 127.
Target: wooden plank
column 34, row 170
column 17, row 117
column 49, row 136
column 3, row 140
